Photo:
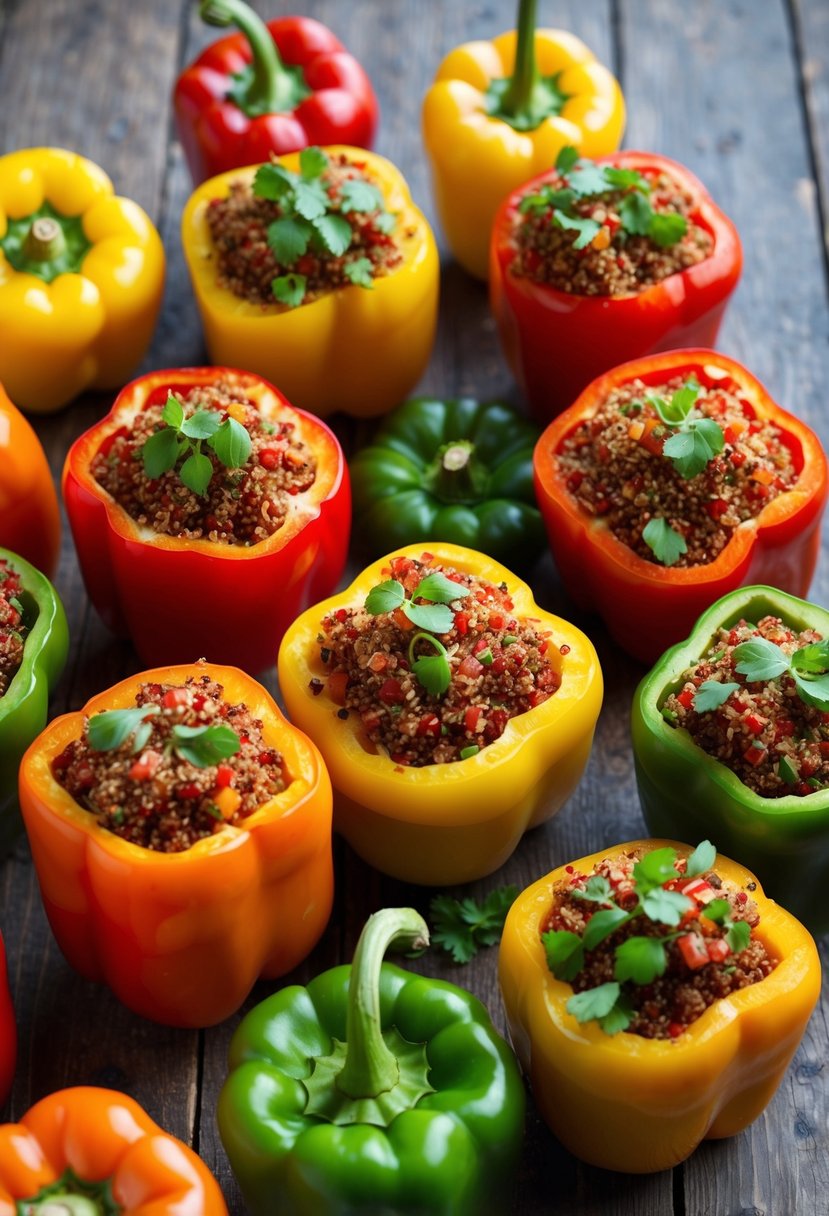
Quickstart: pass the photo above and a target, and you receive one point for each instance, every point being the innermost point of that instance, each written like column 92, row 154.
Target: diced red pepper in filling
column 470, row 719
column 693, row 950
column 470, row 666
column 718, row 950
column 391, row 693
column 754, row 755
column 686, row 698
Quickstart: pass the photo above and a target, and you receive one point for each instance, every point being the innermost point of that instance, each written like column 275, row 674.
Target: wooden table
column 738, row 91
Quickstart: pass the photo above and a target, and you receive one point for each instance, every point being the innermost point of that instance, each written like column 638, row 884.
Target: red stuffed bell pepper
column 275, row 88
column 750, row 513
column 558, row 340
column 207, row 514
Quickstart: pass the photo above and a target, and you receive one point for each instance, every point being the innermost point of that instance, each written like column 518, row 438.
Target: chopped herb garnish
column 762, row 660
column 666, row 544
column 462, row 926
column 695, row 439
column 711, row 694
column 181, row 438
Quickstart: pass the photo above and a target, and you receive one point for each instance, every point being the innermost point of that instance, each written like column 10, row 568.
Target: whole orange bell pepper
column 182, row 937
column 29, row 513
column 640, row 1105
column 87, row 1150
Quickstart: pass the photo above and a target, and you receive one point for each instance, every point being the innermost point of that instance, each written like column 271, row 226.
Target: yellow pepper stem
column 526, row 98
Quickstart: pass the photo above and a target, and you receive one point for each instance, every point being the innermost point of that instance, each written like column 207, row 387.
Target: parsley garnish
column 666, row 544
column 462, row 926
column 181, row 438
column 761, row 660
column 112, row 727
column 711, row 694
column 202, row 746
column 696, row 439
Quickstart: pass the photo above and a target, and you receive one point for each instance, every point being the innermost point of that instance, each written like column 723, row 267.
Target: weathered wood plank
column 810, row 20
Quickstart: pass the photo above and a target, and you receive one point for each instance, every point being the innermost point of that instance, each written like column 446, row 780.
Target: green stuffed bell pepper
column 33, row 646
column 731, row 742
column 371, row 1091
column 458, row 471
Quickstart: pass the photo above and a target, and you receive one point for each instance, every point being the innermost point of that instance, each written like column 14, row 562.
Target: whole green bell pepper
column 458, row 471
column 23, row 707
column 688, row 795
column 372, row 1091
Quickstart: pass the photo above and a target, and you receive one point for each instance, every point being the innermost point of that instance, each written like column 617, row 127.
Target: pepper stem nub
column 519, row 94
column 267, row 87
column 456, row 475
column 45, row 240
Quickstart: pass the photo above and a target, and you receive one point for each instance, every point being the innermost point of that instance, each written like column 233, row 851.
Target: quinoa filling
column 700, row 965
column 253, row 255
column 616, row 261
column 616, row 468
column 240, row 505
column 167, row 782
column 496, row 665
column 762, row 729
column 12, row 627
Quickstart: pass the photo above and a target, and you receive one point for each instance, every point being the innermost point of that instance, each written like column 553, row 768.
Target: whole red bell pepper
column 556, row 342
column 8, row 1030
column 181, row 599
column 275, row 88
column 646, row 606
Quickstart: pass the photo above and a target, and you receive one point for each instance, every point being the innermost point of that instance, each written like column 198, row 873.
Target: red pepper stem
column 519, row 95
column 371, row 1068
column 272, row 89
column 45, row 240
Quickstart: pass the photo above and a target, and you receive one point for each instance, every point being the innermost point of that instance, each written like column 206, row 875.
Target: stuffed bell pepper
column 29, row 512
column 457, row 471
column 499, row 112
column 83, row 1151
column 317, row 271
column 731, row 738
column 33, row 647
column 269, row 88
column 181, row 833
column 453, row 713
column 655, row 998
column 670, row 481
column 207, row 513
column 373, row 1089
column 81, row 276
column 594, row 263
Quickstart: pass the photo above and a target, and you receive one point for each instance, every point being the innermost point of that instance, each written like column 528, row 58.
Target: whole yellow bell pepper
column 640, row 1105
column 81, row 277
column 353, row 349
column 453, row 822
column 499, row 112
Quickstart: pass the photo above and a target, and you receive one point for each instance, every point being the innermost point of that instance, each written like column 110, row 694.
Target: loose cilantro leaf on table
column 462, row 926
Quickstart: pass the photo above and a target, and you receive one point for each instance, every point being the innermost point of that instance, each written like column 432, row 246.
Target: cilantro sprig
column 462, row 926
column 666, row 544
column 639, row 959
column 311, row 219
column 761, row 660
column 432, row 671
column 202, row 746
column 181, row 439
column 696, row 439
column 583, row 179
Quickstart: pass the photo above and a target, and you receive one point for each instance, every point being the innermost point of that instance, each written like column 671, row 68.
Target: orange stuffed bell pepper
column 499, row 112
column 81, row 276
column 88, row 1150
column 318, row 272
column 262, row 534
column 29, row 513
column 453, row 713
column 614, row 1096
column 182, row 843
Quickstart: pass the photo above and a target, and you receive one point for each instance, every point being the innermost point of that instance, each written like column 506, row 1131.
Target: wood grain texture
column 810, row 22
column 97, row 77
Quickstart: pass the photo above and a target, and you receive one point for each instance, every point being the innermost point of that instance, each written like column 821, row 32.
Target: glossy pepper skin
column 457, row 471
column 640, row 1105
column 355, row 349
column 685, row 791
column 91, row 1150
column 645, row 605
column 556, row 342
column 300, row 87
column 181, row 938
column 29, row 512
column 163, row 591
column 448, row 823
column 8, row 1030
column 24, row 706
column 79, row 297
column 442, row 1137
column 478, row 155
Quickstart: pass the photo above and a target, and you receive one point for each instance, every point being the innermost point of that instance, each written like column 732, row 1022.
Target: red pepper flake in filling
column 12, row 628
column 367, row 658
column 762, row 730
column 241, row 506
column 157, row 798
column 614, row 466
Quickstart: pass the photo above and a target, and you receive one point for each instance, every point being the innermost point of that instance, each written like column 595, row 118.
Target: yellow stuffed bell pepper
column 332, row 328
column 500, row 112
column 407, row 814
column 635, row 1104
column 81, row 277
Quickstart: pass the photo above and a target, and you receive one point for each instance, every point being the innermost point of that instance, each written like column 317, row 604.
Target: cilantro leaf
column 360, row 272
column 461, row 927
column 334, row 232
column 737, row 935
column 675, row 411
column 641, row 959
column 201, row 425
column 594, row 1003
column 701, row 860
column 596, row 888
column 440, row 589
column 619, row 1017
column 205, row 745
column 310, row 199
column 231, row 443
column 112, row 727
column 759, row 659
column 386, row 222
column 586, row 228
column 666, row 229
column 360, row 196
column 433, row 672
column 666, row 907
column 196, row 473
column 627, row 179
column 273, row 182
column 813, row 690
column 566, row 158
column 437, row 618
column 711, row 694
column 160, row 453
column 312, row 162
column 588, row 179
column 694, row 446
column 289, row 289
column 601, row 925
column 717, row 910
column 173, row 412
column 666, row 544
column 288, row 239
column 636, row 214
column 654, row 868
column 565, row 953
column 813, row 658
column 385, row 597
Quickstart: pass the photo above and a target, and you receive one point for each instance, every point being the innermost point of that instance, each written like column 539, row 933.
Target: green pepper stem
column 371, row 1068
column 64, row 1203
column 519, row 94
column 45, row 240
column 455, row 475
column 271, row 89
